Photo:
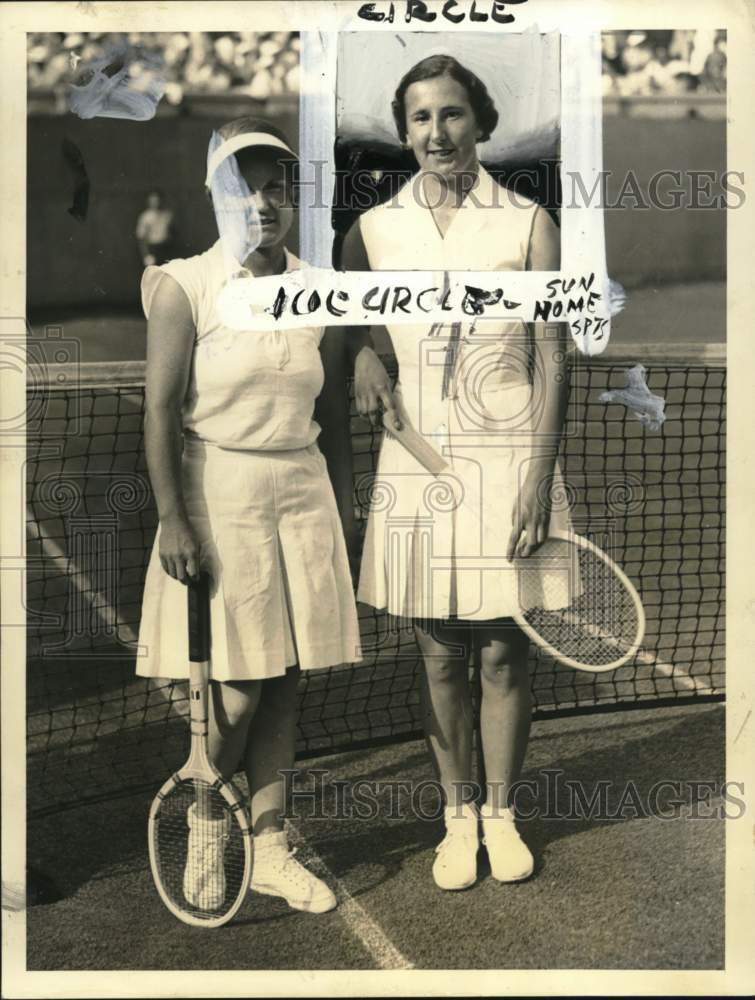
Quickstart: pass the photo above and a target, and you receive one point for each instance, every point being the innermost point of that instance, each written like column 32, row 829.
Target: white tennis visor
column 243, row 141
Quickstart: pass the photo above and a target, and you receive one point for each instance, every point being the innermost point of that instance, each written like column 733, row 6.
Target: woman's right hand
column 179, row 549
column 372, row 386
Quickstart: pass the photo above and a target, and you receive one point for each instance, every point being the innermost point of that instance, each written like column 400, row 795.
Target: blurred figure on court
column 714, row 69
column 154, row 230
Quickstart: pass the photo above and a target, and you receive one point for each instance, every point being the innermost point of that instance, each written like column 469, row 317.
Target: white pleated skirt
column 272, row 542
column 435, row 547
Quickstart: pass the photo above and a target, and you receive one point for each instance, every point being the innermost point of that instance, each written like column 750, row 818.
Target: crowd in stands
column 266, row 64
column 641, row 63
column 257, row 64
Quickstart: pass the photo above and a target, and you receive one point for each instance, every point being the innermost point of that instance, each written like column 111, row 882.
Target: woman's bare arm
column 371, row 382
column 332, row 414
column 170, row 342
column 550, row 398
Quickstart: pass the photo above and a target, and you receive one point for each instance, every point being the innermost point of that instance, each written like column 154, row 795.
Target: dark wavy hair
column 434, row 66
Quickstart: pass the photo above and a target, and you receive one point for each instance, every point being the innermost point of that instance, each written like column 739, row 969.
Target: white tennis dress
column 258, row 494
column 428, row 554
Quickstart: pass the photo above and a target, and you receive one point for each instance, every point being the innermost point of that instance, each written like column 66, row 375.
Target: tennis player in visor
column 233, row 421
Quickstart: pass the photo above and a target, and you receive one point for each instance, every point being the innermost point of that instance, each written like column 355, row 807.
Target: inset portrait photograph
column 447, row 152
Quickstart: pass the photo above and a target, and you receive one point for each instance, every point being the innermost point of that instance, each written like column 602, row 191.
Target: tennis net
column 654, row 499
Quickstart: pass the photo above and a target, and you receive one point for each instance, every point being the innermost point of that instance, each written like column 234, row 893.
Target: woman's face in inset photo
column 441, row 125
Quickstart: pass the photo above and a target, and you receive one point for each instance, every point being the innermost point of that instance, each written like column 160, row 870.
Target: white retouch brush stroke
column 316, row 145
column 638, row 399
column 132, row 92
column 583, row 240
column 236, row 215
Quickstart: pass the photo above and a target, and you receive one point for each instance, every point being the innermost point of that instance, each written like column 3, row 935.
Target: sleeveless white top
column 489, row 232
column 248, row 389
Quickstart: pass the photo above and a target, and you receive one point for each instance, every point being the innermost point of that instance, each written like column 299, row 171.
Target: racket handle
column 199, row 619
column 419, row 448
column 432, row 461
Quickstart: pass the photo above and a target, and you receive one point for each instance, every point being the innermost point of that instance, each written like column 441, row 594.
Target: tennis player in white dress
column 468, row 389
column 243, row 491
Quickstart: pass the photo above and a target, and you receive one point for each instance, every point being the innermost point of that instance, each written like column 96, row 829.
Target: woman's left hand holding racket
column 200, row 839
column 179, row 548
column 530, row 518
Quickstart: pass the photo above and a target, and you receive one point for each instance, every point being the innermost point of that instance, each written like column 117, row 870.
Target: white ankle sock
column 491, row 812
column 270, row 840
column 466, row 812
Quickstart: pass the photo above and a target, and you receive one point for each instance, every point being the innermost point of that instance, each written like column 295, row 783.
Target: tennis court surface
column 641, row 893
column 100, row 741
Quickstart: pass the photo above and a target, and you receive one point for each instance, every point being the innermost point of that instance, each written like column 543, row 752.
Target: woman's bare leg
column 447, row 706
column 270, row 749
column 501, row 650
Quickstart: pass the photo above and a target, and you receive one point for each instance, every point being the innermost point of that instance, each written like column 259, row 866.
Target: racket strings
column 200, row 850
column 577, row 604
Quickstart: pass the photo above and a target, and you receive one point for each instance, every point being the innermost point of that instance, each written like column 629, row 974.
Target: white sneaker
column 204, row 874
column 510, row 858
column 276, row 872
column 456, row 862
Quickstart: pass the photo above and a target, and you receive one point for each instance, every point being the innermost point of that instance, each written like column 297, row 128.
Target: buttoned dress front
column 257, row 493
column 427, row 554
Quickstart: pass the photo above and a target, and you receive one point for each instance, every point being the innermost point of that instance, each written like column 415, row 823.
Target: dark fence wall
column 96, row 263
column 656, row 246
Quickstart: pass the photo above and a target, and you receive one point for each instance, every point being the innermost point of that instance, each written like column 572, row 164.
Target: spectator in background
column 667, row 75
column 636, row 57
column 611, row 61
column 702, row 46
column 714, row 70
column 657, row 70
column 645, row 63
column 154, row 231
column 682, row 43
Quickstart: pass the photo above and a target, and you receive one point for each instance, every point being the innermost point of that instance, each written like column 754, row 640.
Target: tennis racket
column 200, row 839
column 575, row 603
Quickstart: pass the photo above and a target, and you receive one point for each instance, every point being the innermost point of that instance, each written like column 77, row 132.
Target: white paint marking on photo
column 583, row 239
column 644, row 405
column 131, row 91
column 316, row 144
column 14, row 896
column 353, row 914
